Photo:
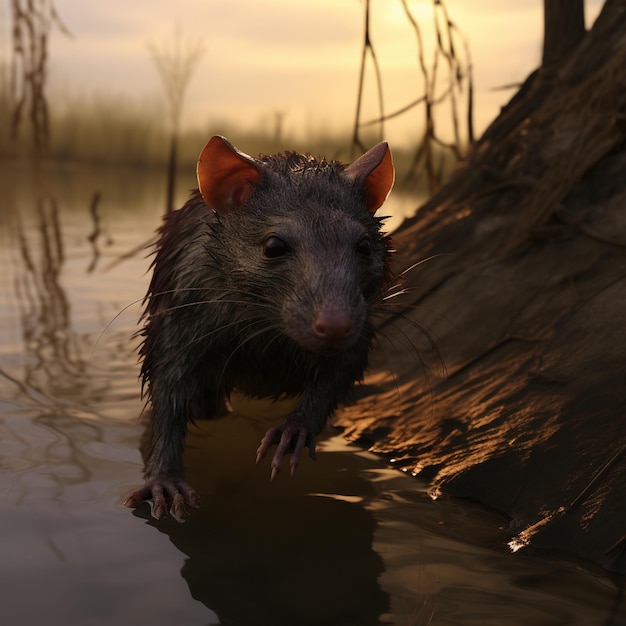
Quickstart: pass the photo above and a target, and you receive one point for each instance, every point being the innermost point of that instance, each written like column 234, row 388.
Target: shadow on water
column 349, row 541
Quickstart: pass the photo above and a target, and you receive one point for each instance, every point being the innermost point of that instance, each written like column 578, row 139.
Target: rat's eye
column 364, row 247
column 274, row 247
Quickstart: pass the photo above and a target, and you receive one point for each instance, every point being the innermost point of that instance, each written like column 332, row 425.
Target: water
column 349, row 542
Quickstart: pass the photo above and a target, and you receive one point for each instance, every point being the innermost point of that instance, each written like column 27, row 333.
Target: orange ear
column 225, row 175
column 375, row 171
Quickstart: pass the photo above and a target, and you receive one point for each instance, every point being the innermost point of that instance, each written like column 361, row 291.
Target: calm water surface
column 349, row 542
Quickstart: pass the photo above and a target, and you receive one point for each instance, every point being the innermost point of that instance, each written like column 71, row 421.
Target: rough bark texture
column 526, row 302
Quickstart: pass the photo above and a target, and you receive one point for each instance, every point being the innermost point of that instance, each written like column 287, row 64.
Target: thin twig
column 367, row 47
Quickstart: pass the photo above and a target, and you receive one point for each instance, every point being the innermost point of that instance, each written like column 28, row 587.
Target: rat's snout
column 333, row 325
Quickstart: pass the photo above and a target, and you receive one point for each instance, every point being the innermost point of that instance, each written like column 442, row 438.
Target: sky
column 297, row 59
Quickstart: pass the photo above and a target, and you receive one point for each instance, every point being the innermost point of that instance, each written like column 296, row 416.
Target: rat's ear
column 226, row 175
column 375, row 171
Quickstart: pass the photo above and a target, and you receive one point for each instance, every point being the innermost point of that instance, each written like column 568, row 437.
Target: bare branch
column 428, row 156
column 367, row 47
column 175, row 62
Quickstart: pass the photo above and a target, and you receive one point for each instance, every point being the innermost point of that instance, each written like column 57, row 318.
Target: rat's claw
column 284, row 446
column 159, row 490
column 295, row 458
column 178, row 509
column 159, row 506
column 271, row 437
column 303, row 437
column 138, row 496
column 290, row 438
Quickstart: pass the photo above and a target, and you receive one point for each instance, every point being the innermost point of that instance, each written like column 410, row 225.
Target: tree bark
column 524, row 298
column 564, row 28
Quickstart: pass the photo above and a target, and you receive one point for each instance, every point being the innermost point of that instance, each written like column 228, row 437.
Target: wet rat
column 266, row 281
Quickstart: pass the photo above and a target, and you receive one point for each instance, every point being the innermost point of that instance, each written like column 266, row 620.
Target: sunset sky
column 300, row 59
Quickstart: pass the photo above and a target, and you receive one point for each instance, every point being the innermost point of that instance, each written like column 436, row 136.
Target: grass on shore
column 111, row 132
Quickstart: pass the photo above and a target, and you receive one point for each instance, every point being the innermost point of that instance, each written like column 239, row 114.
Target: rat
column 266, row 281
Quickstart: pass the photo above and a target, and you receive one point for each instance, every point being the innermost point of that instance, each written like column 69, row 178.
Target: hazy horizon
column 299, row 60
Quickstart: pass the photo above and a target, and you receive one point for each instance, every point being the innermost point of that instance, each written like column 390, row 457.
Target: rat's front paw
column 290, row 438
column 161, row 490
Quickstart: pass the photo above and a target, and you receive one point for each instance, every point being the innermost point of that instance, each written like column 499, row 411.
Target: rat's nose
column 333, row 325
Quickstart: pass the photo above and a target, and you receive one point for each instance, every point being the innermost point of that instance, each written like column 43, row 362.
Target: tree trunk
column 564, row 28
column 524, row 297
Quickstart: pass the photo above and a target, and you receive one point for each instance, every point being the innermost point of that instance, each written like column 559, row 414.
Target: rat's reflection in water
column 261, row 552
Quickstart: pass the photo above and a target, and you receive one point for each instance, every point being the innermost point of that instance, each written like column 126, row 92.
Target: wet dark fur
column 219, row 314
